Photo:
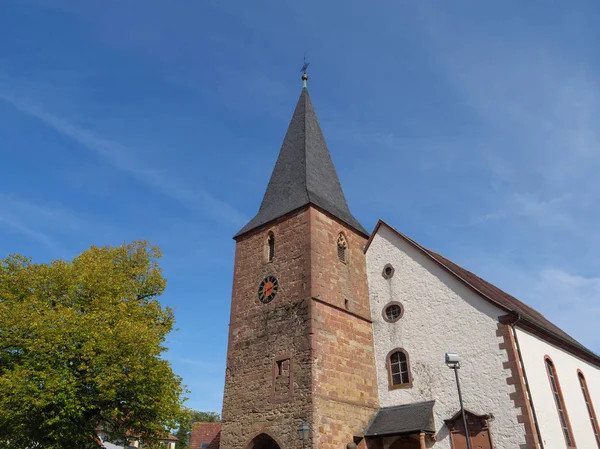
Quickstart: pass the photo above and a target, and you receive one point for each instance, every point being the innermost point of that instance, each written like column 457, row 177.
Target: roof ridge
column 431, row 401
column 303, row 95
column 435, row 253
column 520, row 303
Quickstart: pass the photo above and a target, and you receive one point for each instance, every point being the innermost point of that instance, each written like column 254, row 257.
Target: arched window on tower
column 270, row 247
column 342, row 248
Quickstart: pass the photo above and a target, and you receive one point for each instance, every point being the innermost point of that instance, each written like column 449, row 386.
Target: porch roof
column 403, row 419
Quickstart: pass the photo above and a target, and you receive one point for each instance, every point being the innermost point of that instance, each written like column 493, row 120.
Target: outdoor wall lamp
column 453, row 362
column 303, row 430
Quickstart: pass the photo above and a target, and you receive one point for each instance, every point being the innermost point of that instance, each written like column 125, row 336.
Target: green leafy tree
column 186, row 425
column 80, row 348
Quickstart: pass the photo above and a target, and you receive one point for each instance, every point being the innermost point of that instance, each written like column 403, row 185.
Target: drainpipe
column 422, row 441
column 529, row 397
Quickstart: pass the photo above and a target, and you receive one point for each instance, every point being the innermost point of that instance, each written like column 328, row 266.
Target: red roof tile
column 204, row 432
column 499, row 296
column 216, row 442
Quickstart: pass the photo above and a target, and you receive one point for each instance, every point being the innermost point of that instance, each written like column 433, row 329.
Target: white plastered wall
column 533, row 351
column 440, row 314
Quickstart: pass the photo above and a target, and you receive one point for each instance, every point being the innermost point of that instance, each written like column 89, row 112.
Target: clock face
column 268, row 289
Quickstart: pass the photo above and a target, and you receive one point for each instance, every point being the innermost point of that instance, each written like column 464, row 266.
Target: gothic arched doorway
column 405, row 443
column 262, row 441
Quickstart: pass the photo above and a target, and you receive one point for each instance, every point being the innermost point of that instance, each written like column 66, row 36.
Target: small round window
column 393, row 312
column 388, row 271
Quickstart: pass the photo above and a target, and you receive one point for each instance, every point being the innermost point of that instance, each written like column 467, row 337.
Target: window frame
column 389, row 304
column 392, row 271
column 270, row 247
column 344, row 244
column 589, row 405
column 388, row 362
column 277, row 363
column 559, row 402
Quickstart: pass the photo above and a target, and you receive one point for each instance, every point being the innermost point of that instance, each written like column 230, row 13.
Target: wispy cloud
column 198, row 364
column 534, row 187
column 123, row 159
column 567, row 298
column 539, row 107
column 25, row 230
column 35, row 221
column 52, row 216
column 543, row 212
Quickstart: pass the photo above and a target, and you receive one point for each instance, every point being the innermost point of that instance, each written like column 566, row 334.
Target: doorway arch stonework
column 263, row 441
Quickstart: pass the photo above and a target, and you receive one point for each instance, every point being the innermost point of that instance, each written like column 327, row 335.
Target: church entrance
column 479, row 431
column 262, row 441
column 480, row 439
column 405, row 443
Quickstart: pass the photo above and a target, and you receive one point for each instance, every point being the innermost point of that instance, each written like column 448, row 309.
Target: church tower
column 300, row 344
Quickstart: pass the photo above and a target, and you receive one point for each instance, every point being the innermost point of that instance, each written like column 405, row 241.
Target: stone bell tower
column 300, row 340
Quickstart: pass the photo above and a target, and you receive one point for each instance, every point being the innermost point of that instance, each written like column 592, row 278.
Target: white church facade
column 532, row 385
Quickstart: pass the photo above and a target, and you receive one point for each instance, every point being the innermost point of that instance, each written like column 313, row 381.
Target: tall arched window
column 270, row 246
column 590, row 405
column 560, row 403
column 342, row 248
column 399, row 369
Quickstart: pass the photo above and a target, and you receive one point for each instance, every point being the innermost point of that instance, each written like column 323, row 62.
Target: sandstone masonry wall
column 341, row 284
column 344, row 375
column 308, row 354
column 260, row 335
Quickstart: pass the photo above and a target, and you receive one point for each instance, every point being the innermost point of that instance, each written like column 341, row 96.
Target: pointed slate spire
column 304, row 173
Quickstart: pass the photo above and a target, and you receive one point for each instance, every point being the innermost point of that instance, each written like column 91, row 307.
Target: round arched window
column 393, row 312
column 399, row 369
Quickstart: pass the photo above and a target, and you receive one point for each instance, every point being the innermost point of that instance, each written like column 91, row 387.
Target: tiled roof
column 402, row 419
column 304, row 174
column 204, row 432
column 216, row 442
column 525, row 316
column 501, row 297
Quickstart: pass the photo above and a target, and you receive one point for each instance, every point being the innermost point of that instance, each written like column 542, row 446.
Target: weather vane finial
column 303, row 70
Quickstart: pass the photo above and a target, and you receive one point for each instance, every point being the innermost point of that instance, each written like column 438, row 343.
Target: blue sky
column 470, row 126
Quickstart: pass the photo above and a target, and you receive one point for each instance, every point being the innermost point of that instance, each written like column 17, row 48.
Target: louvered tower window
column 590, row 406
column 342, row 248
column 270, row 246
column 560, row 404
